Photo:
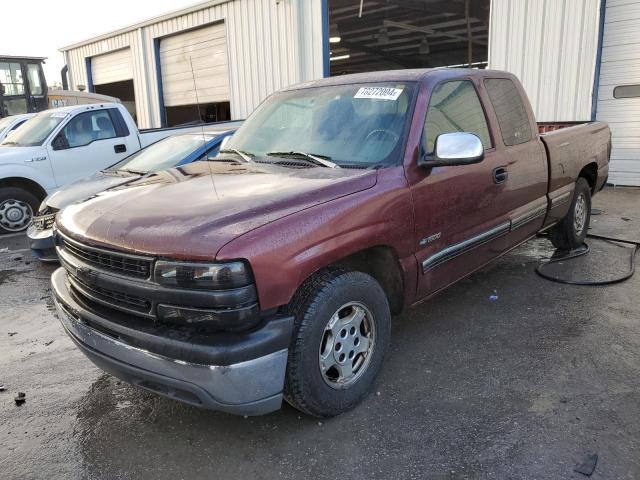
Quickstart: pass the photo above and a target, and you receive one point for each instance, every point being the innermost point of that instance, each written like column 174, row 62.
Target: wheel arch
column 590, row 173
column 26, row 184
column 382, row 263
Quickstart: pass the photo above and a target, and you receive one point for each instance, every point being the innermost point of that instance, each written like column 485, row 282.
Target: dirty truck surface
column 526, row 386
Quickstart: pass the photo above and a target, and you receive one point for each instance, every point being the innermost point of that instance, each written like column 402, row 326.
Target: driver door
column 87, row 143
column 458, row 213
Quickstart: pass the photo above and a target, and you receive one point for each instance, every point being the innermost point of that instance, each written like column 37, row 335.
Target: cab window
column 510, row 110
column 33, row 73
column 89, row 127
column 454, row 107
column 11, row 79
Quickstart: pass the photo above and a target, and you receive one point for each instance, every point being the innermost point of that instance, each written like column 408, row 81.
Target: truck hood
column 191, row 212
column 87, row 187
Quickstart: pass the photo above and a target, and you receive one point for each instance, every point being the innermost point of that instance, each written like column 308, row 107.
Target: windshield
column 35, row 130
column 164, row 154
column 352, row 125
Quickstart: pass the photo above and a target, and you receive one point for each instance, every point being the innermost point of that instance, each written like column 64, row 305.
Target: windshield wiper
column 320, row 160
column 9, row 142
column 246, row 156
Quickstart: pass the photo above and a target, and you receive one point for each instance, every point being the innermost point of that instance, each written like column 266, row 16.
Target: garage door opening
column 112, row 74
column 123, row 90
column 208, row 112
column 395, row 34
column 194, row 70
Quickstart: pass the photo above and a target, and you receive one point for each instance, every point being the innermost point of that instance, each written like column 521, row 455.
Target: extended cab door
column 89, row 142
column 459, row 215
column 524, row 161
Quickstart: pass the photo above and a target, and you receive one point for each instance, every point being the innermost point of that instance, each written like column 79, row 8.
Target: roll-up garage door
column 206, row 50
column 619, row 91
column 112, row 67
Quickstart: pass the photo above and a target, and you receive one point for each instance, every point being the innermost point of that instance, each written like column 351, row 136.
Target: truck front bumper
column 42, row 244
column 249, row 387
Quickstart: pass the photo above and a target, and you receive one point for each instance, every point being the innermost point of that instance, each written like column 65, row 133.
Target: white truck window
column 36, row 131
column 89, row 127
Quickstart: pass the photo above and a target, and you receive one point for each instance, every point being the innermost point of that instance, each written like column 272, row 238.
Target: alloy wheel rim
column 15, row 215
column 580, row 214
column 347, row 345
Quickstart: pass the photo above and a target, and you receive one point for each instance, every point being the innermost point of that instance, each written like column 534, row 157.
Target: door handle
column 121, row 148
column 500, row 175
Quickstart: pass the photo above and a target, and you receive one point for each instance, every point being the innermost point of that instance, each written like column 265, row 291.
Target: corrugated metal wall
column 551, row 46
column 621, row 66
column 271, row 44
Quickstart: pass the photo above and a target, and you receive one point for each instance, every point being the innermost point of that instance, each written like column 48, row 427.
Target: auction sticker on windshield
column 379, row 93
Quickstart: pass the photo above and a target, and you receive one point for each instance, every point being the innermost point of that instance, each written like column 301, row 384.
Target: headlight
column 202, row 275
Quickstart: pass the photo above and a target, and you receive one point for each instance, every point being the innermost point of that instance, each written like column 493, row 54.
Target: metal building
column 578, row 59
column 239, row 51
column 619, row 88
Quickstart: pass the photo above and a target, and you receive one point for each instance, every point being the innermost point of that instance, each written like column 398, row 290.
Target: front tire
column 16, row 209
column 572, row 230
column 341, row 333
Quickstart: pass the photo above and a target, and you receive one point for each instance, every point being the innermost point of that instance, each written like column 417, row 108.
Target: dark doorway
column 123, row 91
column 393, row 34
column 208, row 112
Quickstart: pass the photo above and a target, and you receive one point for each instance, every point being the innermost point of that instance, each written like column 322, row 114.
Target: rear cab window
column 454, row 107
column 510, row 110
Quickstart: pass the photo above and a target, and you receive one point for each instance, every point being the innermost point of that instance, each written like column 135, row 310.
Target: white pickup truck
column 59, row 146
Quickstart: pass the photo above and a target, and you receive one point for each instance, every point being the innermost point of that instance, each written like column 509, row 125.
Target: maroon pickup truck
column 272, row 270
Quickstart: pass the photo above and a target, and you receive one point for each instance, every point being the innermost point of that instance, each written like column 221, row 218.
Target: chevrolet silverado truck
column 59, row 146
column 274, row 271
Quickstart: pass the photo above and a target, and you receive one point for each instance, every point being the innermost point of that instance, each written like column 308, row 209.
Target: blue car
column 167, row 153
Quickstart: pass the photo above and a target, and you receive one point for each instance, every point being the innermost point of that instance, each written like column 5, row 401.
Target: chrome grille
column 44, row 222
column 110, row 297
column 120, row 263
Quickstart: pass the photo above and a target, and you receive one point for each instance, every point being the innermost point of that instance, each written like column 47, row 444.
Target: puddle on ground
column 535, row 249
column 6, row 275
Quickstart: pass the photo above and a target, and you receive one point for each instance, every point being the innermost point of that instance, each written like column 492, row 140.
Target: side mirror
column 224, row 142
column 60, row 142
column 457, row 148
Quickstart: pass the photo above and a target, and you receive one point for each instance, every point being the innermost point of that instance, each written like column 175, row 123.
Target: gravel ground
column 525, row 386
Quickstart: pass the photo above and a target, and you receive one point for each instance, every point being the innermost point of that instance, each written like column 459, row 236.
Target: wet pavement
column 524, row 386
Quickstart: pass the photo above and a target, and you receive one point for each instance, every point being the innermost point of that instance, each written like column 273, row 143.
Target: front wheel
column 16, row 209
column 572, row 230
column 341, row 333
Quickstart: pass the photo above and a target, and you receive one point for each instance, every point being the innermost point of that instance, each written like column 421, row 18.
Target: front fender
column 287, row 251
column 17, row 169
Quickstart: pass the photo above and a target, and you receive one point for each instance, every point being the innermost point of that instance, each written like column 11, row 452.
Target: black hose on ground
column 564, row 256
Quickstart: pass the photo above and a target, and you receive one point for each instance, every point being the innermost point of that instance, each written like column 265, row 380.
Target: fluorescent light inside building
column 334, row 39
column 340, row 57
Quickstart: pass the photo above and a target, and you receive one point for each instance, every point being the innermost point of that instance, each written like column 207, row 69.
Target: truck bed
column 571, row 150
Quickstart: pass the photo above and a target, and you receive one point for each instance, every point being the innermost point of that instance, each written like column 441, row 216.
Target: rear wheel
column 341, row 333
column 572, row 230
column 16, row 209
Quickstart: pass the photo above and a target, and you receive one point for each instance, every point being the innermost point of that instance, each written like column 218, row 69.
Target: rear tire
column 17, row 207
column 341, row 333
column 572, row 230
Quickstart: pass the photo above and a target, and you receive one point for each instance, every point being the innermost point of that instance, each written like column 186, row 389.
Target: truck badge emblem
column 430, row 238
